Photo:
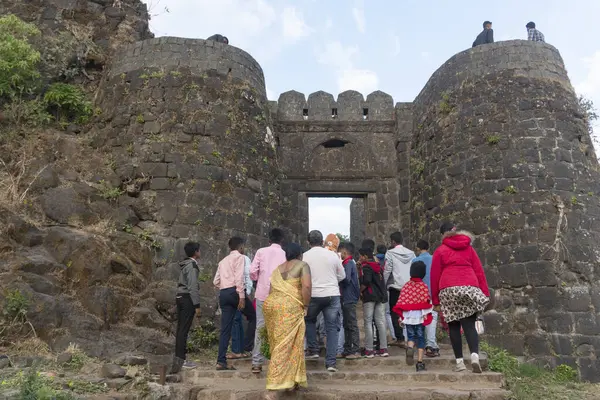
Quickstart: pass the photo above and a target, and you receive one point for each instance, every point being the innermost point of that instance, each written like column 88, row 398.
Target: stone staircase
column 364, row 379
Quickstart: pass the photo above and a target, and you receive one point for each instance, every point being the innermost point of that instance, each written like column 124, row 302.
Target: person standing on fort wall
column 533, row 34
column 486, row 36
column 459, row 289
column 266, row 260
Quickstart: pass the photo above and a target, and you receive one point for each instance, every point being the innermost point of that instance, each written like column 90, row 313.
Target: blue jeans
column 416, row 334
column 430, row 332
column 330, row 306
column 237, row 334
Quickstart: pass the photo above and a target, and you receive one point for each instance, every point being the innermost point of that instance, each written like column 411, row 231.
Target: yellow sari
column 284, row 320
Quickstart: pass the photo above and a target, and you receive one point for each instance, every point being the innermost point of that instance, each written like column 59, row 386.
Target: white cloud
column 328, row 23
column 329, row 215
column 242, row 21
column 590, row 86
column 341, row 59
column 270, row 94
column 361, row 80
column 293, row 24
column 358, row 12
column 425, row 54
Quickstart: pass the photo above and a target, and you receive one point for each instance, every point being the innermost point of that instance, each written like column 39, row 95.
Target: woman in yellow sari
column 284, row 312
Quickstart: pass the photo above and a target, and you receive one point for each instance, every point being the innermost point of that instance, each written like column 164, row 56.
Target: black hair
column 276, row 236
column 368, row 244
column 381, row 249
column 396, row 237
column 486, row 23
column 226, row 40
column 191, row 248
column 423, row 244
column 530, row 25
column 418, row 269
column 349, row 247
column 315, row 238
column 446, row 227
column 235, row 243
column 366, row 251
column 292, row 251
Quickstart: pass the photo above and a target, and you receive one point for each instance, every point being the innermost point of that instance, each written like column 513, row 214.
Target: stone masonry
column 495, row 142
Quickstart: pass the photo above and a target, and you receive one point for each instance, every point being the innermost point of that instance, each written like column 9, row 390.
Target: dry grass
column 29, row 347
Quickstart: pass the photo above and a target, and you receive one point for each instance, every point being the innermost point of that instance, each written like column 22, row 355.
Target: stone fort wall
column 499, row 145
column 494, row 142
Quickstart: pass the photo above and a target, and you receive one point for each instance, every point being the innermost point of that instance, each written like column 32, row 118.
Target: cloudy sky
column 394, row 46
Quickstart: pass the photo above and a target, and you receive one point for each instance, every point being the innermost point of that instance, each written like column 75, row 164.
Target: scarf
column 414, row 296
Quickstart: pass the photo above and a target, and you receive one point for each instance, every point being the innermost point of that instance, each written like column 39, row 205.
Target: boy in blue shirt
column 350, row 292
column 431, row 348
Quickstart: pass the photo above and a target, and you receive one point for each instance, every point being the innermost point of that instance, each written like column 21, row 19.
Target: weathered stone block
column 577, row 298
column 540, row 273
column 153, row 169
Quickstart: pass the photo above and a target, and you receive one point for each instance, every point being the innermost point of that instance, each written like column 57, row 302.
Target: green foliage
column 590, row 114
column 15, row 304
column 68, row 103
column 574, row 200
column 28, row 112
column 204, row 277
column 202, row 337
column 510, row 189
column 444, row 106
column 343, row 238
column 417, row 166
column 530, row 382
column 265, row 348
column 18, row 59
column 109, row 192
column 34, row 386
column 565, row 373
column 492, row 139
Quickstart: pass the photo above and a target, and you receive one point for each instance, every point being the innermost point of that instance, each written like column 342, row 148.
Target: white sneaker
column 460, row 367
column 332, row 369
column 475, row 363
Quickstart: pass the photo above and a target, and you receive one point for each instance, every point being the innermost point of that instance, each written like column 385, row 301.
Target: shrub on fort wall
column 68, row 103
column 18, row 59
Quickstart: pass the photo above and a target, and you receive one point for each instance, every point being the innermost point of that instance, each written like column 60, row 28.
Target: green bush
column 68, row 103
column 36, row 387
column 15, row 304
column 31, row 113
column 202, row 337
column 18, row 59
column 565, row 373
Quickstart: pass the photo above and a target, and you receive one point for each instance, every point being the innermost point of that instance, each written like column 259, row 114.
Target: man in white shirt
column 327, row 272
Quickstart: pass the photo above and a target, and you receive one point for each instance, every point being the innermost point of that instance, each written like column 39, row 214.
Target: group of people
column 294, row 290
column 487, row 35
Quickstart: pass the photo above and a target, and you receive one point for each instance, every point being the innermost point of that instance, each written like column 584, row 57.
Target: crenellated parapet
column 323, row 107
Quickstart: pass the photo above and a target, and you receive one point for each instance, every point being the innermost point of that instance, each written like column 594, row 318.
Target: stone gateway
column 495, row 142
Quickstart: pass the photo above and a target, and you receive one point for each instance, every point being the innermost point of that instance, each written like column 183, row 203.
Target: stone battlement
column 321, row 106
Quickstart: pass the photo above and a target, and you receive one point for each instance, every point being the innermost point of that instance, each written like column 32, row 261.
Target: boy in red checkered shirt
column 414, row 308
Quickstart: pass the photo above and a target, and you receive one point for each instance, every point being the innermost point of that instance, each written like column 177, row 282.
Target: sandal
column 256, row 369
column 221, row 367
column 233, row 356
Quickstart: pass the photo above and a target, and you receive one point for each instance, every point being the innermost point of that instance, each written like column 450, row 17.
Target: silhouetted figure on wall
column 219, row 38
column 486, row 36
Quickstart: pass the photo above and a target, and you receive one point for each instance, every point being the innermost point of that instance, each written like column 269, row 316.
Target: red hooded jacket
column 455, row 263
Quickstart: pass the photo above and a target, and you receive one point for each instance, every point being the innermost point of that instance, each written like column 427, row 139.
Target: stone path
column 364, row 379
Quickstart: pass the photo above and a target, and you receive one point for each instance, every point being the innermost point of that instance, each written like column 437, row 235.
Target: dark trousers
column 468, row 326
column 185, row 317
column 228, row 302
column 394, row 295
column 351, row 334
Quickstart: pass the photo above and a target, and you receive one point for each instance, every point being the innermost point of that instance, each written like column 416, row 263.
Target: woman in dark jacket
column 459, row 286
column 374, row 298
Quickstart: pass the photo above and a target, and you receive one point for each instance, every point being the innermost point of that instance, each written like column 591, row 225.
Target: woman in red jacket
column 459, row 286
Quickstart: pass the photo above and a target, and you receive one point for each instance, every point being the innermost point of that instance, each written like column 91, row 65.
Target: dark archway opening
column 335, row 143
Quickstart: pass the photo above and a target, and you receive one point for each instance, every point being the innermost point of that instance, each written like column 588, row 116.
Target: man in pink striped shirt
column 266, row 260
column 232, row 296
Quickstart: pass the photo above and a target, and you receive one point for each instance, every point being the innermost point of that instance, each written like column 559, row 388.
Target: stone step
column 396, row 359
column 255, row 390
column 391, row 377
